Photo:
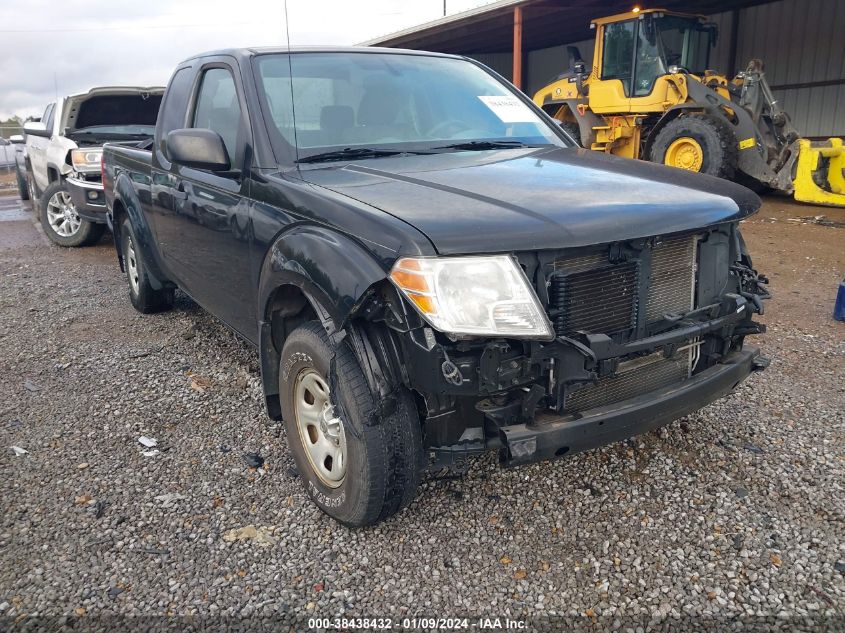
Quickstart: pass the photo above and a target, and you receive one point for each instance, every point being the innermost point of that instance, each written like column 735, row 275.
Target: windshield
column 685, row 43
column 390, row 101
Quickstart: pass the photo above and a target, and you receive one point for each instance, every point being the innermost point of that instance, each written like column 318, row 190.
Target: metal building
column 802, row 43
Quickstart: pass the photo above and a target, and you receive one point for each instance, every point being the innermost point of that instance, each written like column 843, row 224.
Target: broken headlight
column 473, row 296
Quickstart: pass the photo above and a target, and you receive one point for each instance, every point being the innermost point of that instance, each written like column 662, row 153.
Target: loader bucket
column 820, row 176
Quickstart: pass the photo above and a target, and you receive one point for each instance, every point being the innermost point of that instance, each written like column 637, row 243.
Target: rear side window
column 217, row 107
column 175, row 105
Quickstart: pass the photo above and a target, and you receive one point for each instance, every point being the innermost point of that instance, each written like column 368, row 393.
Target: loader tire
column 697, row 142
column 573, row 129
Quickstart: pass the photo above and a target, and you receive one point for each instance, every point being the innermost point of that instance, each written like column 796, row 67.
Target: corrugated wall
column 502, row 63
column 800, row 41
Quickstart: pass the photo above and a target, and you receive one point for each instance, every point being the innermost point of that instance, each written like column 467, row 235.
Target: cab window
column 618, row 55
column 175, row 105
column 217, row 108
column 47, row 119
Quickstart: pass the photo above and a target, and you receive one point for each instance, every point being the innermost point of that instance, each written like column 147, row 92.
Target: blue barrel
column 839, row 308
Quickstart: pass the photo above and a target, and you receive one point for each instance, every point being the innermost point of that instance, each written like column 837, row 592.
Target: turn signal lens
column 473, row 296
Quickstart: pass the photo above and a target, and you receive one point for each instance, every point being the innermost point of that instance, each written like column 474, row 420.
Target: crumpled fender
column 301, row 257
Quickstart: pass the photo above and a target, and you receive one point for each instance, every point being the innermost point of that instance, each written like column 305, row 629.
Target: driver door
column 650, row 87
column 611, row 93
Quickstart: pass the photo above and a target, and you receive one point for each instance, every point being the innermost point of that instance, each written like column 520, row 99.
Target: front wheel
column 62, row 223
column 356, row 469
column 697, row 142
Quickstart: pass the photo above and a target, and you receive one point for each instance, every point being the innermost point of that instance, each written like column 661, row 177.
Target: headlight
column 478, row 296
column 86, row 159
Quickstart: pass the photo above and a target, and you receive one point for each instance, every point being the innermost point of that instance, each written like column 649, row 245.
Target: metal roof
column 489, row 28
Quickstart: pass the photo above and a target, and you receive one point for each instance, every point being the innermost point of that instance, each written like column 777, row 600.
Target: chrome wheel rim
column 62, row 215
column 132, row 265
column 320, row 429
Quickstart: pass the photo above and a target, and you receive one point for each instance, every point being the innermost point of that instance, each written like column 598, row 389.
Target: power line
column 132, row 28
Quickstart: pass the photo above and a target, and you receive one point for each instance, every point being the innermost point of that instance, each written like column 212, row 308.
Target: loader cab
column 634, row 51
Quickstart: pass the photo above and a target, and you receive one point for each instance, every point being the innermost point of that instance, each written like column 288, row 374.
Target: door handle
column 179, row 192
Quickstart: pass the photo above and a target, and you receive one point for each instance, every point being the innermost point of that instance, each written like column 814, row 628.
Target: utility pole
column 444, row 8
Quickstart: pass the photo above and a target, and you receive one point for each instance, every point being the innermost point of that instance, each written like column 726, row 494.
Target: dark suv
column 428, row 265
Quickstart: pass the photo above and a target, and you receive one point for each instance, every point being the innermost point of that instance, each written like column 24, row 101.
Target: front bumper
column 548, row 437
column 88, row 198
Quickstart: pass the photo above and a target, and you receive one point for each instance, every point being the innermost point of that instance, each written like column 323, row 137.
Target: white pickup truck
column 64, row 150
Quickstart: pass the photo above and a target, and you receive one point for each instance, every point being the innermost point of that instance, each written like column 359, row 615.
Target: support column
column 517, row 47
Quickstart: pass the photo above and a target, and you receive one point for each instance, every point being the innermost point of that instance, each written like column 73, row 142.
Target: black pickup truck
column 429, row 266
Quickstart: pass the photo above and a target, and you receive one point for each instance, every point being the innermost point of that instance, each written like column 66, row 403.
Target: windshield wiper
column 482, row 145
column 355, row 152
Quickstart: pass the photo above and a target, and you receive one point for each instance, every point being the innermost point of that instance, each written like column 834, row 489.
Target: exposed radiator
column 627, row 384
column 590, row 294
column 672, row 281
column 595, row 300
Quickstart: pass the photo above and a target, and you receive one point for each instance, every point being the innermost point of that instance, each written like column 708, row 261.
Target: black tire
column 86, row 233
column 573, row 129
column 32, row 189
column 383, row 457
column 23, row 187
column 144, row 297
column 715, row 137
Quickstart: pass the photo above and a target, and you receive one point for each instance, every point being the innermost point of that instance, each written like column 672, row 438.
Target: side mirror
column 16, row 139
column 199, row 148
column 34, row 128
column 575, row 59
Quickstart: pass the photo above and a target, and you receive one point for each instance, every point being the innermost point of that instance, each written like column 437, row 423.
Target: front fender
column 333, row 271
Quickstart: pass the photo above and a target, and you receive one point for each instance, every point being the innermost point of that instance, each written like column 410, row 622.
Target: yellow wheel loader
column 651, row 95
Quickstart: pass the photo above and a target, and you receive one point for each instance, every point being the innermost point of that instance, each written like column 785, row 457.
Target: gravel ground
column 732, row 514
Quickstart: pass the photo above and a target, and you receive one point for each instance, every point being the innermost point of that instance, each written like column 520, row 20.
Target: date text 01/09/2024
column 424, row 623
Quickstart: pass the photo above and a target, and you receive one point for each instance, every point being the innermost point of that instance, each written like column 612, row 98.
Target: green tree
column 13, row 125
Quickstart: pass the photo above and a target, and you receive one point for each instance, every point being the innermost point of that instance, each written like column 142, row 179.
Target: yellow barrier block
column 806, row 189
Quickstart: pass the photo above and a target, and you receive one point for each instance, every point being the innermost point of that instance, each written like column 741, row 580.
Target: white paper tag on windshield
column 509, row 109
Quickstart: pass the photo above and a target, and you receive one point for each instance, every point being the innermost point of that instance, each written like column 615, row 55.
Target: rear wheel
column 23, row 187
column 33, row 192
column 62, row 223
column 697, row 142
column 356, row 469
column 143, row 296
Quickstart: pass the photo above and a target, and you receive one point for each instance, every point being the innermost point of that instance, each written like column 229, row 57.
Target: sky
column 50, row 47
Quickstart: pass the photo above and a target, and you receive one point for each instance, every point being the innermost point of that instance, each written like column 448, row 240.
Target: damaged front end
column 645, row 331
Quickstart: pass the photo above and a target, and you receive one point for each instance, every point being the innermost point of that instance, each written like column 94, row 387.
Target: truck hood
column 530, row 199
column 73, row 101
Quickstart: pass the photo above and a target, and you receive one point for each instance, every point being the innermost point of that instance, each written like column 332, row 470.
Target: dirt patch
column 805, row 262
